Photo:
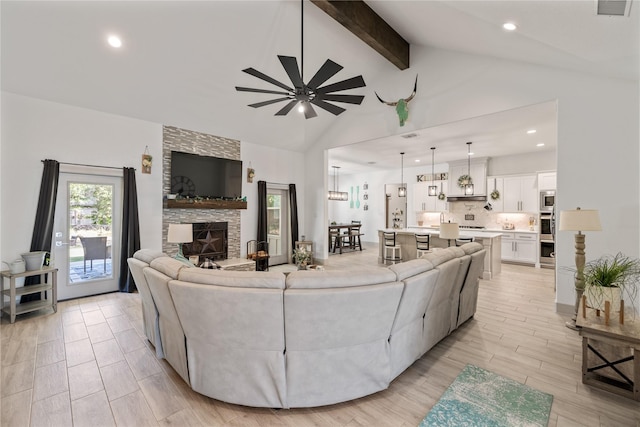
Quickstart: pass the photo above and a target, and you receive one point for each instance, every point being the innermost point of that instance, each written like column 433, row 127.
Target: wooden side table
column 610, row 354
column 14, row 308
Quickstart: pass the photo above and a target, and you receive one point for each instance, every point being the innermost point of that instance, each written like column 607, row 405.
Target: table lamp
column 180, row 233
column 579, row 220
column 449, row 230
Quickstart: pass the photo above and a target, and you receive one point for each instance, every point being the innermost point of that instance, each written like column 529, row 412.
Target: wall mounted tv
column 204, row 176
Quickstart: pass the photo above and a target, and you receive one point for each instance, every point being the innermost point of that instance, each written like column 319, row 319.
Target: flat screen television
column 205, row 176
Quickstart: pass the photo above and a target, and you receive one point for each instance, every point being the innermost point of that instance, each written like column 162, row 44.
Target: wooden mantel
column 205, row 204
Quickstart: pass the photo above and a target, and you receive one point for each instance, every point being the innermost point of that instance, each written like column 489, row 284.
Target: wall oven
column 547, row 201
column 547, row 239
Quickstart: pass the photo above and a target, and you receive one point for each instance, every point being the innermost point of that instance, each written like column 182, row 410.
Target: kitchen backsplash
column 474, row 214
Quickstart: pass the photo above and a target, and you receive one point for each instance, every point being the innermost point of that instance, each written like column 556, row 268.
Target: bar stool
column 422, row 244
column 462, row 240
column 392, row 252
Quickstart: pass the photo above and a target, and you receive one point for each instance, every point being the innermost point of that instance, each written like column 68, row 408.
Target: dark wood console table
column 610, row 354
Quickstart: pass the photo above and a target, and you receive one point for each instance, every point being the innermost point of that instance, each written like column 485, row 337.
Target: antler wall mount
column 402, row 105
column 309, row 93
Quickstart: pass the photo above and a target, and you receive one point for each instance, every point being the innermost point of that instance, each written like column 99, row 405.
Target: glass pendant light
column 402, row 190
column 336, row 194
column 468, row 187
column 433, row 188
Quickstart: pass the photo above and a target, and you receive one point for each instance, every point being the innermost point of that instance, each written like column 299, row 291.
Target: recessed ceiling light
column 509, row 26
column 531, row 131
column 417, row 160
column 540, row 144
column 114, row 41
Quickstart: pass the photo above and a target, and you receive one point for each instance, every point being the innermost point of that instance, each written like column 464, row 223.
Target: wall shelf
column 205, row 204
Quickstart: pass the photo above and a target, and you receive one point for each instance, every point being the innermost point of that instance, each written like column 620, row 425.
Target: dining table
column 339, row 227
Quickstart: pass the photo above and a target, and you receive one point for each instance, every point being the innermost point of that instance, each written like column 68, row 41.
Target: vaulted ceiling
column 180, row 61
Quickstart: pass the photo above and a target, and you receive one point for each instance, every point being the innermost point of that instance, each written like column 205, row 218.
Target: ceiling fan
column 309, row 93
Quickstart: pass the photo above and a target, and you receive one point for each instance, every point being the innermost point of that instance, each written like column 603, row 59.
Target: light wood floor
column 89, row 365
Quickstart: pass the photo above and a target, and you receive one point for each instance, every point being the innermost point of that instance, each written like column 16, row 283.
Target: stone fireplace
column 210, row 240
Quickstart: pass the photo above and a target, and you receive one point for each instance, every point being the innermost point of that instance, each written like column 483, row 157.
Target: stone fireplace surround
column 176, row 139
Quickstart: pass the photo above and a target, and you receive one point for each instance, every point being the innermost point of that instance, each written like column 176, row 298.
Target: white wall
column 522, row 163
column 274, row 166
column 33, row 130
column 598, row 137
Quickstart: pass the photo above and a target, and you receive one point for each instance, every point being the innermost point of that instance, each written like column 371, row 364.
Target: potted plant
column 301, row 257
column 611, row 278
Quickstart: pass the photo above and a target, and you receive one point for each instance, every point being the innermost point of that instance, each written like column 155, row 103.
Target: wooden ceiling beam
column 361, row 20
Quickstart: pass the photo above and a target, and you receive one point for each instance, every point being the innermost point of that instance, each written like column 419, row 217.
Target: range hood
column 467, row 199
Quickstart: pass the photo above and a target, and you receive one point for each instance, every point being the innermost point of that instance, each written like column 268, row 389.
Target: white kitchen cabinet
column 423, row 202
column 478, row 172
column 520, row 194
column 519, row 247
column 494, row 182
column 547, row 181
column 420, row 198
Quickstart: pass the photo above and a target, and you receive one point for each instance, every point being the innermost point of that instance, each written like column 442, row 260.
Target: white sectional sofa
column 308, row 339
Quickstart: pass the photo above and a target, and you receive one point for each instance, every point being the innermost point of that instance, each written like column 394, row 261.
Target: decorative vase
column 597, row 295
column 302, row 266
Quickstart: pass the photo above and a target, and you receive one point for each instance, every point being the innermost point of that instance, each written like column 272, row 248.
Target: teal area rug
column 481, row 398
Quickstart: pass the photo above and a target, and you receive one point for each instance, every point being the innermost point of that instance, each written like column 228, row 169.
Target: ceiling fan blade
column 290, row 65
column 287, row 108
column 349, row 99
column 334, row 109
column 328, row 70
column 351, row 83
column 309, row 112
column 248, row 89
column 271, row 101
column 258, row 74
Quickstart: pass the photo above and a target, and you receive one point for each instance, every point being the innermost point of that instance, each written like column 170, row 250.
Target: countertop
column 464, row 232
column 481, row 230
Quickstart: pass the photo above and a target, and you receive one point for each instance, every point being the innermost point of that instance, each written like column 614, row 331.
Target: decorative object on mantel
column 495, row 194
column 336, row 194
column 310, row 93
column 402, row 190
column 579, row 220
column 192, row 203
column 433, row 188
column 146, row 160
column 468, row 187
column 402, row 105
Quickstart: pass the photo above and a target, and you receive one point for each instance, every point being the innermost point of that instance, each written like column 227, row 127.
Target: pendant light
column 468, row 187
column 433, row 188
column 336, row 194
column 402, row 190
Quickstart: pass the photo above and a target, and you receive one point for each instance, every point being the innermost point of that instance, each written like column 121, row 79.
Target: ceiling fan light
column 301, row 107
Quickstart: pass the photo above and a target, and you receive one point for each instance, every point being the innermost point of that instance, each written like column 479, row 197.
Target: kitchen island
column 405, row 237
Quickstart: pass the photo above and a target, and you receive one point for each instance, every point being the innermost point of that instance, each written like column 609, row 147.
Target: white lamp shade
column 180, row 233
column 449, row 230
column 580, row 220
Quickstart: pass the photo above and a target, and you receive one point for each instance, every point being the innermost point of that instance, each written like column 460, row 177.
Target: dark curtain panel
column 262, row 211
column 130, row 229
column 293, row 206
column 43, row 227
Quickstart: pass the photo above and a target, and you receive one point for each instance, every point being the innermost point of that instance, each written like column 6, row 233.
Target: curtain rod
column 91, row 166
